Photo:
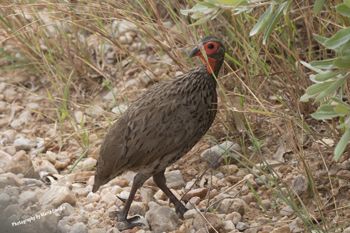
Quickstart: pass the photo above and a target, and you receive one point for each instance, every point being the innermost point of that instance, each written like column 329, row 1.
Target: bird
column 161, row 126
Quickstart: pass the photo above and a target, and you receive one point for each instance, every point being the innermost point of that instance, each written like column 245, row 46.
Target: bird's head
column 214, row 50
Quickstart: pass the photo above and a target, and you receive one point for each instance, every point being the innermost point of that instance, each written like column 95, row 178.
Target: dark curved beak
column 194, row 52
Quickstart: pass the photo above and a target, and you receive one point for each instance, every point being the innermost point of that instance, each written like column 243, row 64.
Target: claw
column 126, row 223
column 122, row 199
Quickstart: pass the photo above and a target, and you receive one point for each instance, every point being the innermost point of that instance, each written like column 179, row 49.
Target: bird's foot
column 126, row 223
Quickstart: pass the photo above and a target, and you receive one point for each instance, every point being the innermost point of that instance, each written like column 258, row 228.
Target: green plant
column 331, row 79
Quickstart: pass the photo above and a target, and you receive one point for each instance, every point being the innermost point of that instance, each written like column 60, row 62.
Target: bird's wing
column 153, row 126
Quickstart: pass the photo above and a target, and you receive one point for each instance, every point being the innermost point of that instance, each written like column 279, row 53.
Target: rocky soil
column 39, row 194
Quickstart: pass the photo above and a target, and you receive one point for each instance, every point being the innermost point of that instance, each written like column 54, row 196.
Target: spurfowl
column 161, row 126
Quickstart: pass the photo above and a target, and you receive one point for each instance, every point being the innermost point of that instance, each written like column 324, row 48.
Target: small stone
column 241, row 226
column 267, row 228
column 120, row 109
column 32, row 106
column 11, row 150
column 227, row 226
column 79, row 228
column 48, row 223
column 233, row 179
column 8, row 137
column 287, row 211
column 21, row 163
column 260, row 180
column 28, row 196
column 65, row 209
column 346, row 165
column 58, row 195
column 10, row 179
column 108, row 198
column 215, row 155
column 46, row 166
column 162, row 219
column 10, row 95
column 283, row 229
column 267, row 204
column 93, row 197
column 146, row 77
column 233, row 205
column 24, row 144
column 59, row 165
column 251, row 230
column 192, row 202
column 3, row 87
column 113, row 230
column 89, row 163
column 213, row 219
column 12, row 191
column 347, row 230
column 4, row 158
column 3, row 106
column 300, row 185
column 262, row 220
column 190, row 214
column 139, row 208
column 230, row 169
column 343, row 174
column 192, row 172
column 22, row 119
column 5, row 200
column 234, row 217
column 321, row 174
column 174, row 180
column 63, row 226
column 200, row 192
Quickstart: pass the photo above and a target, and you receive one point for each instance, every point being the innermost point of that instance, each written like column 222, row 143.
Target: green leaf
column 325, row 115
column 306, row 97
column 207, row 4
column 311, row 68
column 318, row 6
column 340, row 38
column 317, row 88
column 325, row 64
column 196, row 8
column 273, row 22
column 340, row 108
column 287, row 7
column 201, row 21
column 327, row 75
column 263, row 21
column 347, row 2
column 326, row 108
column 343, row 9
column 343, row 62
column 319, row 39
column 229, row 2
column 259, row 111
column 331, row 89
column 339, row 149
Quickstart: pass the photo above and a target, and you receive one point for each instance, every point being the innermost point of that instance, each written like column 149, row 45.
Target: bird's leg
column 139, row 179
column 159, row 179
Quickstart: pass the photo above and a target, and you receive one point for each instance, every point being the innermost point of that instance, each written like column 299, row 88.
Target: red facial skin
column 211, row 61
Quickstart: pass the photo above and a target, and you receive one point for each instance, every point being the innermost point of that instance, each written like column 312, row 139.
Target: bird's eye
column 210, row 46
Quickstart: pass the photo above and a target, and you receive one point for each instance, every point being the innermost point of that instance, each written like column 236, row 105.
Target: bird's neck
column 213, row 65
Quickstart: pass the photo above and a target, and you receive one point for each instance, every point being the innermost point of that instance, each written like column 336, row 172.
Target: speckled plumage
column 161, row 126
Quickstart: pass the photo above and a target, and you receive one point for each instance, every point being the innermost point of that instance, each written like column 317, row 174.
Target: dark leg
column 159, row 179
column 139, row 179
